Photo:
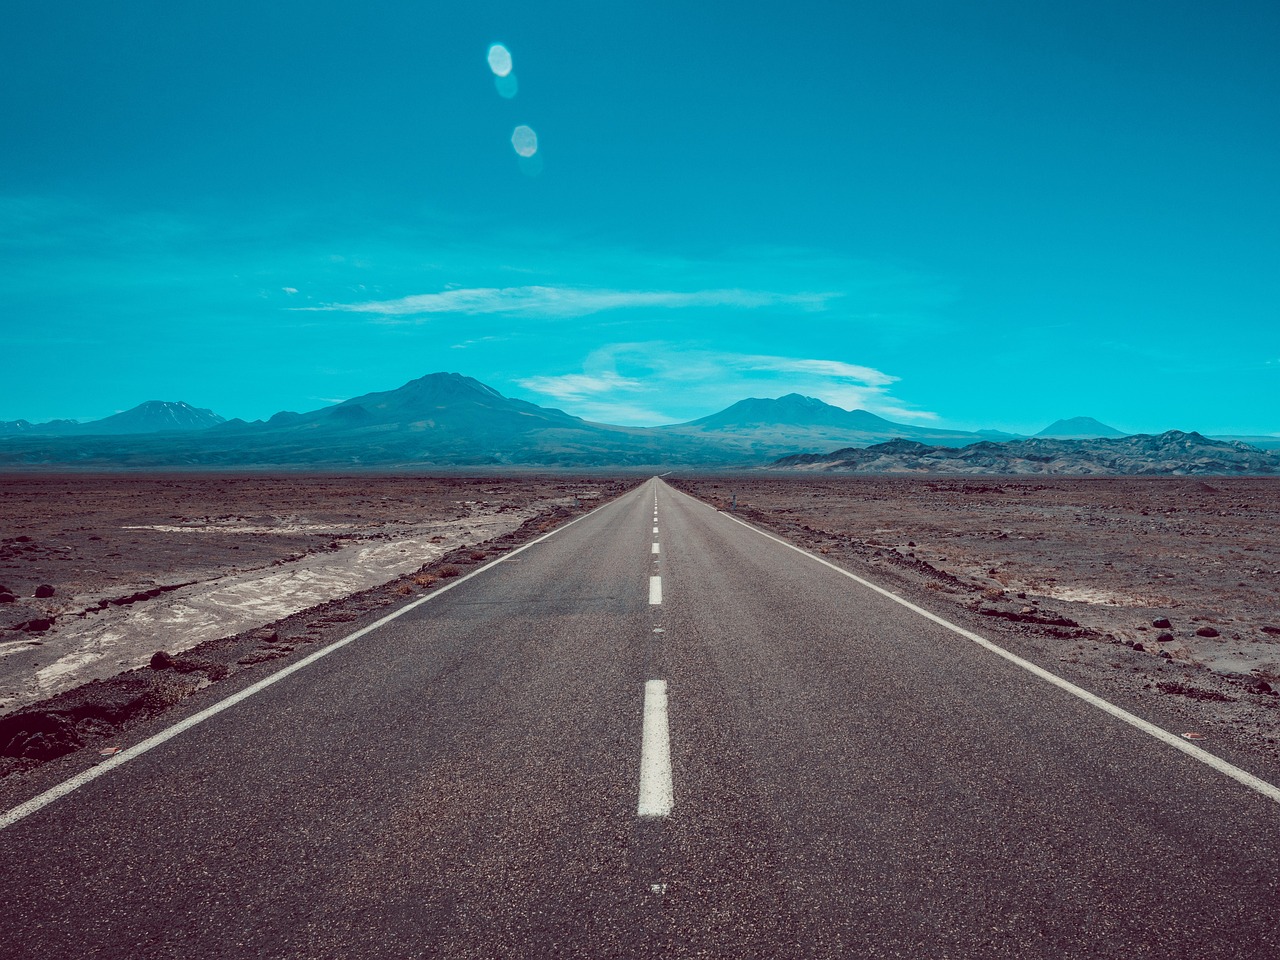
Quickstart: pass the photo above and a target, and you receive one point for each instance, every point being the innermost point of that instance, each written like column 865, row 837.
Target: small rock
column 1206, row 632
column 1161, row 623
column 1139, row 647
column 1258, row 685
column 1274, row 631
column 39, row 625
column 1165, row 638
column 160, row 660
column 8, row 598
column 44, row 591
column 1166, row 655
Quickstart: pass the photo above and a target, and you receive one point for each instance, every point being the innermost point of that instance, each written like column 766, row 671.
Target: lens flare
column 499, row 60
column 524, row 140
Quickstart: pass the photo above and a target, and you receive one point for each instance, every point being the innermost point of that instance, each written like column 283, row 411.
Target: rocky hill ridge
column 1173, row 453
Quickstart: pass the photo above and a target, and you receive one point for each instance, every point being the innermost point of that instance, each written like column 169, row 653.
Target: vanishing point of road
column 655, row 732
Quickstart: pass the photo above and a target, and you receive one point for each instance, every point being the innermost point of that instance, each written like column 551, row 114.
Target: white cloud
column 290, row 290
column 619, row 384
column 579, row 386
column 833, row 369
column 563, row 302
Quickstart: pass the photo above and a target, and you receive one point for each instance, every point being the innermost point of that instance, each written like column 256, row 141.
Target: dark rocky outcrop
column 1168, row 454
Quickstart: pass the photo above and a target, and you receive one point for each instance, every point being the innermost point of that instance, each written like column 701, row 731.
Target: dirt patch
column 1126, row 584
column 177, row 634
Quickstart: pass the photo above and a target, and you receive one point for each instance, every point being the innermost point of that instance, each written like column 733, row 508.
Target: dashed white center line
column 657, row 796
column 655, row 529
column 655, row 549
column 655, row 589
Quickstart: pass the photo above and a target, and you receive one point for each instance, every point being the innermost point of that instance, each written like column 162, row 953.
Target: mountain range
column 153, row 416
column 450, row 420
column 1079, row 428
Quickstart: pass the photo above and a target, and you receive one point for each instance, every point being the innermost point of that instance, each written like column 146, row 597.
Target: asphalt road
column 834, row 776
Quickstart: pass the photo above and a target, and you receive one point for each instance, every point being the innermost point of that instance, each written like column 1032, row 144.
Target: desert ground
column 1163, row 593
column 123, row 594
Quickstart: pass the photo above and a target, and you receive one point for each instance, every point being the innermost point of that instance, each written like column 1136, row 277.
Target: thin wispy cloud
column 568, row 302
column 832, row 369
column 653, row 383
column 580, row 386
column 472, row 342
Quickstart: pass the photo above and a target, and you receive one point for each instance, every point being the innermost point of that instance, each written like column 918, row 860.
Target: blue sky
column 968, row 215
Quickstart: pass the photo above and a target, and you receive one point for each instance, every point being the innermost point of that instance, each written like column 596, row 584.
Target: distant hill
column 24, row 428
column 792, row 410
column 1262, row 443
column 153, row 416
column 447, row 420
column 1079, row 428
column 442, row 419
column 446, row 402
column 760, row 428
column 1173, row 453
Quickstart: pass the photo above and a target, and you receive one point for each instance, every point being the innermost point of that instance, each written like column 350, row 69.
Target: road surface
column 654, row 733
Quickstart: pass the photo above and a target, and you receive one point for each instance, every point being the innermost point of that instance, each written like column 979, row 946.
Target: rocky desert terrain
column 1161, row 593
column 121, row 594
column 126, row 594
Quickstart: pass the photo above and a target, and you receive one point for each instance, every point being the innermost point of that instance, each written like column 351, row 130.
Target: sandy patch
column 103, row 643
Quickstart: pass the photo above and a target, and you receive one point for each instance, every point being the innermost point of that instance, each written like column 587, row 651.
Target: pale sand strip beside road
column 121, row 638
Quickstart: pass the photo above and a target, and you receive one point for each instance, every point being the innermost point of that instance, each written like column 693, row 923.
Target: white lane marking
column 9, row 817
column 657, row 795
column 655, row 549
column 655, row 529
column 655, row 589
column 1244, row 777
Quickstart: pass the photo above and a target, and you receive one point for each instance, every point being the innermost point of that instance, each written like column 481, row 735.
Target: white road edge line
column 655, row 590
column 1244, row 777
column 657, row 796
column 9, row 817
